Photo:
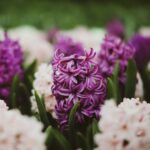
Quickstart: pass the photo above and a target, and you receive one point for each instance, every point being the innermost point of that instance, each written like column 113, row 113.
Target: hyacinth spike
column 11, row 59
column 114, row 50
column 77, row 78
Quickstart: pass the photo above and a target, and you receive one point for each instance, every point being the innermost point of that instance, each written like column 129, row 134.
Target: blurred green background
column 69, row 13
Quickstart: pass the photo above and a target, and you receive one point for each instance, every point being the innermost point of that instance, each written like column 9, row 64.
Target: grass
column 67, row 14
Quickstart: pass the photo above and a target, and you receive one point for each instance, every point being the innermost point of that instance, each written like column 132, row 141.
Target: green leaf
column 130, row 79
column 91, row 131
column 72, row 116
column 95, row 128
column 116, row 83
column 25, row 103
column 29, row 82
column 13, row 94
column 13, row 101
column 42, row 110
column 30, row 69
column 25, row 90
column 72, row 123
column 29, row 75
column 89, row 136
column 49, row 137
column 56, row 140
column 83, row 142
column 110, row 89
column 61, row 140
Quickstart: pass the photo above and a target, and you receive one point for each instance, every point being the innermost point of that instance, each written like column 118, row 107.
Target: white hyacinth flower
column 90, row 38
column 3, row 106
column 124, row 127
column 18, row 132
column 34, row 43
column 42, row 85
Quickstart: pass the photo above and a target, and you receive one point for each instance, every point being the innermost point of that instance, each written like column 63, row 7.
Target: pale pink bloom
column 124, row 127
column 42, row 85
column 139, row 91
column 18, row 132
column 3, row 106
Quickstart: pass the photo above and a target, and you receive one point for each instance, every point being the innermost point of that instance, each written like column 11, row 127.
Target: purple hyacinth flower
column 11, row 59
column 142, row 46
column 67, row 46
column 116, row 28
column 114, row 50
column 77, row 78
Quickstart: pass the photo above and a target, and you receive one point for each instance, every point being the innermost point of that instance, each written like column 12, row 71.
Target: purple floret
column 114, row 50
column 11, row 59
column 77, row 78
column 67, row 46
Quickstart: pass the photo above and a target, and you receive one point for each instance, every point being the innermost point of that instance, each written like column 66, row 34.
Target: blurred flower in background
column 113, row 51
column 142, row 46
column 144, row 31
column 68, row 47
column 90, row 38
column 34, row 43
column 115, row 27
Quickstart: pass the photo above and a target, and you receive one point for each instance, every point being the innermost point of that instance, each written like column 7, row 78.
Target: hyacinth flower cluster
column 142, row 46
column 129, row 130
column 116, row 28
column 113, row 51
column 25, row 132
column 77, row 79
column 67, row 46
column 11, row 59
